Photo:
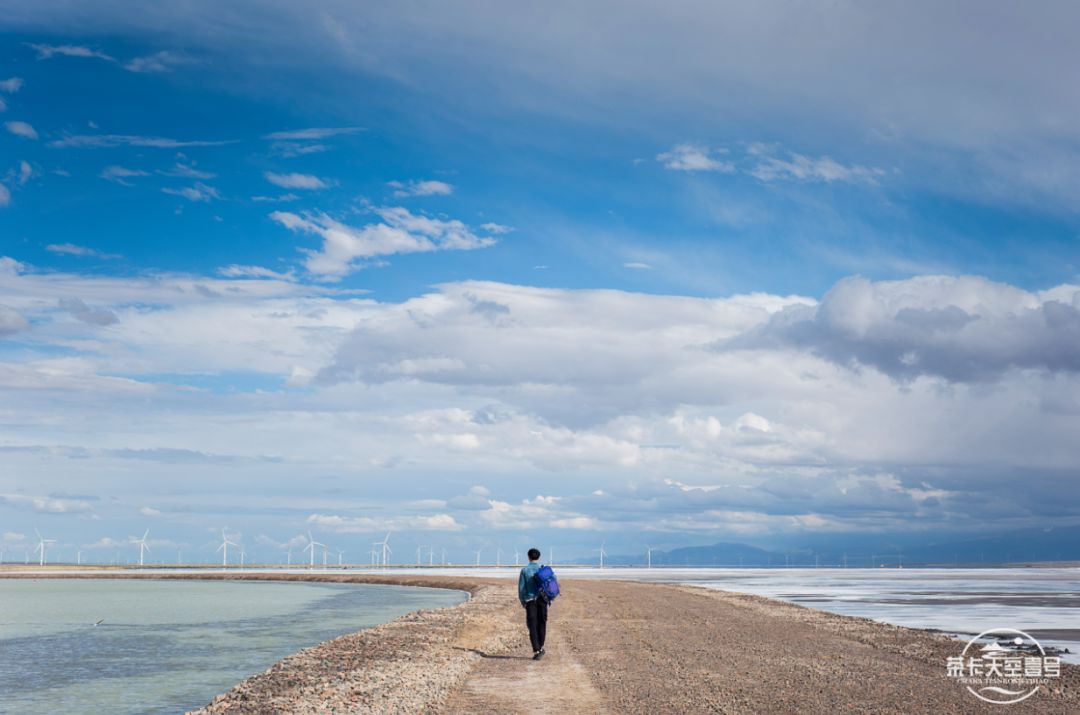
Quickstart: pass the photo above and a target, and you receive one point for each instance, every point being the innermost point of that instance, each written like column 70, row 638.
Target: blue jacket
column 527, row 588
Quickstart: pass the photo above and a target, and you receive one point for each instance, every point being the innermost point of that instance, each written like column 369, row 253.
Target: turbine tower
column 517, row 558
column 648, row 556
column 478, row 556
column 143, row 548
column 386, row 551
column 42, row 545
column 340, row 554
column 602, row 554
column 311, row 544
column 224, row 549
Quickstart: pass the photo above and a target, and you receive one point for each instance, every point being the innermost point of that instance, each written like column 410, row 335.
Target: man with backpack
column 537, row 587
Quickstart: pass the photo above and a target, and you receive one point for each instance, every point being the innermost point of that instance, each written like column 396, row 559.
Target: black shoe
column 538, row 655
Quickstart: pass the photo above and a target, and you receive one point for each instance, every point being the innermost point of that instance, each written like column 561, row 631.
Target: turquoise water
column 169, row 646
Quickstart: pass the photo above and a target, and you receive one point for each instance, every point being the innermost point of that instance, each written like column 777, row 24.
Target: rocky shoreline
column 410, row 665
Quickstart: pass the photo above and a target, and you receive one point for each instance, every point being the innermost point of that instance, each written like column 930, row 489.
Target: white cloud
column 11, row 85
column 187, row 171
column 24, row 174
column 637, row 265
column 695, row 157
column 45, row 52
column 149, row 511
column 198, row 192
column 399, row 231
column 120, row 174
column 963, row 329
column 289, row 150
column 46, row 505
column 238, row 271
column 11, row 322
column 84, row 313
column 496, row 229
column 797, row 167
column 21, row 129
column 420, row 188
column 365, row 524
column 282, row 198
column 164, row 61
column 295, row 181
column 94, row 141
column 5, row 195
column 72, row 249
column 314, row 133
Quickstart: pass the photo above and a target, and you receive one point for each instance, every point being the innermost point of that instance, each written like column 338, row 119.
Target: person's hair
column 534, row 554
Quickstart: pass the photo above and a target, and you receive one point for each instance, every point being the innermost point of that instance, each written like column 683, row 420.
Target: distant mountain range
column 1022, row 546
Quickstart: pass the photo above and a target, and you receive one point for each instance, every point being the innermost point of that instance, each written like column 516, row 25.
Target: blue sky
column 561, row 274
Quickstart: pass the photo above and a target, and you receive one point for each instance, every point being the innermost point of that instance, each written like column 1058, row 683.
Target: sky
column 491, row 276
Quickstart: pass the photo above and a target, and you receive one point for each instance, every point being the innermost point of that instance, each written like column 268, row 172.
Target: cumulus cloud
column 963, row 329
column 21, row 129
column 696, row 157
column 398, row 231
column 420, row 188
column 636, row 265
column 295, row 181
column 11, row 85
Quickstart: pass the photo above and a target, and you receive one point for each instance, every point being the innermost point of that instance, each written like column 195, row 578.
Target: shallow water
column 169, row 646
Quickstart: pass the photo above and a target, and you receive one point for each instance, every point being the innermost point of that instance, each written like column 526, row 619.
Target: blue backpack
column 547, row 586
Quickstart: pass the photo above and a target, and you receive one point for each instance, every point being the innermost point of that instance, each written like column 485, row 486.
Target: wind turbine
column 517, row 558
column 386, row 551
column 143, row 548
column 311, row 544
column 224, row 549
column 243, row 553
column 431, row 556
column 288, row 558
column 478, row 556
column 340, row 554
column 602, row 554
column 551, row 556
column 42, row 544
column 374, row 555
column 444, row 556
column 648, row 556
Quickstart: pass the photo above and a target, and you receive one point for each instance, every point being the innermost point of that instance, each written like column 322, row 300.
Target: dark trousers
column 536, row 620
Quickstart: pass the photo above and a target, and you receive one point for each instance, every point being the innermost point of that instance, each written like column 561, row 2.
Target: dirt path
column 510, row 682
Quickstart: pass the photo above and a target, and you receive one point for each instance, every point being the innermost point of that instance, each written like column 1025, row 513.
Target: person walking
column 534, row 603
